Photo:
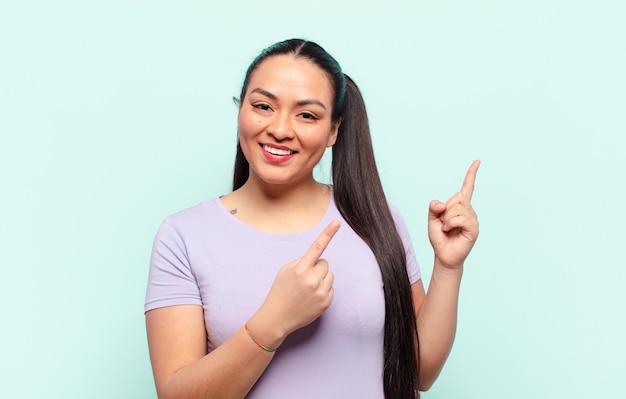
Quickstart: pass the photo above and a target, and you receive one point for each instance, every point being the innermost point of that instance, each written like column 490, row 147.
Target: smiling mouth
column 277, row 151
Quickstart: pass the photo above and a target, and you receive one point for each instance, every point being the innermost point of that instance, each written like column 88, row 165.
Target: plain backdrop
column 116, row 114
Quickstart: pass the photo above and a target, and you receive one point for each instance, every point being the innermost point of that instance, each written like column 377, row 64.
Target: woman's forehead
column 289, row 73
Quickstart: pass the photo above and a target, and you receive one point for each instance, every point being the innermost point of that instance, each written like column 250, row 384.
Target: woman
column 241, row 303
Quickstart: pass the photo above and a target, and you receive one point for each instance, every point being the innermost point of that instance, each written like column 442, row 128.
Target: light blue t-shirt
column 206, row 256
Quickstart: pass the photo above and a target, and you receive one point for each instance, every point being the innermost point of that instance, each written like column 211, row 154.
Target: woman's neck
column 272, row 194
column 279, row 209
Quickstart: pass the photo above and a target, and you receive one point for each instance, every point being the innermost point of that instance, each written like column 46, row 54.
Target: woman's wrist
column 441, row 270
column 264, row 333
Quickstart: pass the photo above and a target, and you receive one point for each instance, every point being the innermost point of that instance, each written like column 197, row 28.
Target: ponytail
column 242, row 168
column 361, row 201
column 360, row 198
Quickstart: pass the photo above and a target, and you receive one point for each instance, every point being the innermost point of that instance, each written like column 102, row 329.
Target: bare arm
column 453, row 230
column 436, row 322
column 182, row 369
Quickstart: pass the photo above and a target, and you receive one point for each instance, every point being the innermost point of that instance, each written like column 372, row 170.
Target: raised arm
column 301, row 292
column 452, row 230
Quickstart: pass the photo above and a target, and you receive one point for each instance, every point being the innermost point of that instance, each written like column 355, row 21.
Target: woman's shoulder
column 203, row 214
column 397, row 218
column 199, row 209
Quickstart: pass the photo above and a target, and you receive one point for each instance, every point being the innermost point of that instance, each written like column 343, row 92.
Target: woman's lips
column 277, row 154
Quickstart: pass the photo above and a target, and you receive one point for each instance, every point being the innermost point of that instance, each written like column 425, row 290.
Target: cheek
column 318, row 138
column 248, row 124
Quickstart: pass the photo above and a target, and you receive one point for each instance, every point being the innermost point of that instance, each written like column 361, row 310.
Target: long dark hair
column 361, row 201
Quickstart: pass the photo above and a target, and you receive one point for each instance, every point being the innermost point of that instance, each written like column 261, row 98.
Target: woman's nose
column 280, row 128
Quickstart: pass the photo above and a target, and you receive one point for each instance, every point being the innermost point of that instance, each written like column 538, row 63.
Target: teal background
column 115, row 114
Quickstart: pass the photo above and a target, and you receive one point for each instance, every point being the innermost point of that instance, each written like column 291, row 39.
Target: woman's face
column 285, row 120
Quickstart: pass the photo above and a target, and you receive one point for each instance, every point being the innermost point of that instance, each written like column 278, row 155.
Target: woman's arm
column 436, row 315
column 301, row 292
column 182, row 368
column 452, row 230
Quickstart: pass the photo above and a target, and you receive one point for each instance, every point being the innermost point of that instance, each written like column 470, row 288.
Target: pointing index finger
column 321, row 242
column 468, row 184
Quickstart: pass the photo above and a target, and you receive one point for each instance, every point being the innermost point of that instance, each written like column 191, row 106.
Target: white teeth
column 277, row 151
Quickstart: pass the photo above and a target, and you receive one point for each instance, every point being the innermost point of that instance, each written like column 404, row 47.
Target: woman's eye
column 308, row 115
column 263, row 107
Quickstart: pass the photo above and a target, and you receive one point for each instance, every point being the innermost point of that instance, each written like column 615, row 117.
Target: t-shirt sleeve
column 412, row 267
column 170, row 280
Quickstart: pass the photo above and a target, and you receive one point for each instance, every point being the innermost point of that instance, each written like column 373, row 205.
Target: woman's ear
column 334, row 130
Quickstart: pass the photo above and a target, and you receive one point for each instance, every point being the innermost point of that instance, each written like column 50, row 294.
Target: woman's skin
column 284, row 127
column 452, row 230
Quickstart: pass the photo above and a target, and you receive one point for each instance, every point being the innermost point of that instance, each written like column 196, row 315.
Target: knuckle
column 317, row 247
column 311, row 282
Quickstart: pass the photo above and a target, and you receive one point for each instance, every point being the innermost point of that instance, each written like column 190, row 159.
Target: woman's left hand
column 453, row 226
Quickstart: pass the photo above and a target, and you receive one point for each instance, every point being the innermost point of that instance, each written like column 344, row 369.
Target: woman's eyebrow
column 311, row 101
column 298, row 103
column 265, row 93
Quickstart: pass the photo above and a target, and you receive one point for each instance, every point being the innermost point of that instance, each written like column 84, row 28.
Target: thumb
column 435, row 209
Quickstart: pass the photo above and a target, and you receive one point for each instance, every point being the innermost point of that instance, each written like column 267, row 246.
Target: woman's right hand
column 301, row 292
